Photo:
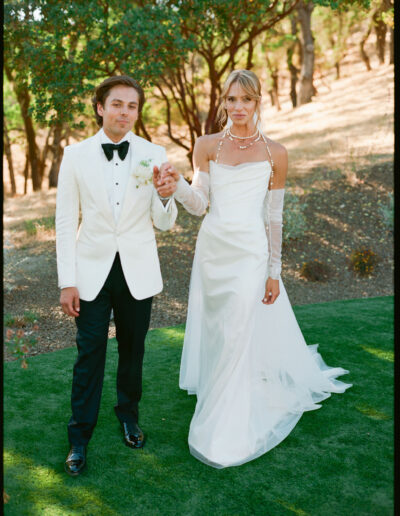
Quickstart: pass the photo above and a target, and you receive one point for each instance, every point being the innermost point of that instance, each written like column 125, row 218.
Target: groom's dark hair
column 103, row 90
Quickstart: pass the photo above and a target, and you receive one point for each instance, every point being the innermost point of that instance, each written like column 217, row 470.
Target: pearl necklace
column 229, row 132
column 242, row 147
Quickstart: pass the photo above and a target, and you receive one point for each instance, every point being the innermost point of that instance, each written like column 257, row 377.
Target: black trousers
column 132, row 319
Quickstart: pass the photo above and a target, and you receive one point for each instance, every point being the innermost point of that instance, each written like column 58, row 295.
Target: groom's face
column 120, row 111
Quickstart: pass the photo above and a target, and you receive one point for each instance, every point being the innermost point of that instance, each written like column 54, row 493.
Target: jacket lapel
column 132, row 191
column 93, row 169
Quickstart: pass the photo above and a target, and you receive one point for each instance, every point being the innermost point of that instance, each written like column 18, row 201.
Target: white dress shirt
column 116, row 173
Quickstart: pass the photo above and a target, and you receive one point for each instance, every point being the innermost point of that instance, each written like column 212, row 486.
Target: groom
column 111, row 262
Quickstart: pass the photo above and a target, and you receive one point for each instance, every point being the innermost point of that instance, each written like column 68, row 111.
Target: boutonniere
column 143, row 172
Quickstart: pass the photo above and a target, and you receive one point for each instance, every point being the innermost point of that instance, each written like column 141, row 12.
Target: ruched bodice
column 237, row 193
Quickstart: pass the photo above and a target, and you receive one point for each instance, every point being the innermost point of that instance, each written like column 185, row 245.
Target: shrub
column 30, row 317
column 32, row 226
column 363, row 261
column 9, row 320
column 20, row 321
column 315, row 271
column 387, row 211
column 19, row 342
column 294, row 220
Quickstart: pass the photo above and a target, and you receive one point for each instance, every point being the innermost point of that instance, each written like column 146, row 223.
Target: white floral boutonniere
column 143, row 172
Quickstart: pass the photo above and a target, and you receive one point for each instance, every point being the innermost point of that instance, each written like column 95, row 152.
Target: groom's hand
column 163, row 181
column 168, row 170
column 69, row 300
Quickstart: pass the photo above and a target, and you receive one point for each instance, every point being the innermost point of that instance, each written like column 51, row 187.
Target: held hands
column 165, row 179
column 271, row 291
column 69, row 300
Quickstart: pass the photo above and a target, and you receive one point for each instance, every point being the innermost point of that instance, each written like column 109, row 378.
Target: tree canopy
column 180, row 50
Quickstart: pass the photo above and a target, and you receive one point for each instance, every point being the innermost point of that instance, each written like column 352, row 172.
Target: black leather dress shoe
column 76, row 460
column 133, row 435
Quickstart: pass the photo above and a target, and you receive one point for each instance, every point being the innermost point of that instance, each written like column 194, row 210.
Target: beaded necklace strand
column 221, row 141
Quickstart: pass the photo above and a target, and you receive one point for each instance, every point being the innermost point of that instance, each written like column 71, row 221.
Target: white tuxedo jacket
column 85, row 256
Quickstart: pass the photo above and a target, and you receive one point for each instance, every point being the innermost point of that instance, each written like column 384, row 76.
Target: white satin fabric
column 247, row 362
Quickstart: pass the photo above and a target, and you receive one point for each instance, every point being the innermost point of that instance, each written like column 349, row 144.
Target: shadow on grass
column 337, row 461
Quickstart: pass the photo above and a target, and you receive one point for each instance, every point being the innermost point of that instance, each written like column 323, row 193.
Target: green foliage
column 17, row 321
column 294, row 220
column 343, row 4
column 30, row 317
column 153, row 114
column 388, row 17
column 176, row 45
column 334, row 30
column 73, row 46
column 387, row 211
column 363, row 261
column 182, row 51
column 19, row 343
column 32, row 226
column 9, row 320
column 11, row 108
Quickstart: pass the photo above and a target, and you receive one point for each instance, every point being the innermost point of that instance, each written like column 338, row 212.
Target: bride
column 244, row 355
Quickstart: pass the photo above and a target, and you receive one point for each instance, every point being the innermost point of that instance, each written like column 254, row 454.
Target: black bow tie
column 109, row 149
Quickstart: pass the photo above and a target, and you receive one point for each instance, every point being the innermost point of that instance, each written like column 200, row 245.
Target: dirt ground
column 341, row 164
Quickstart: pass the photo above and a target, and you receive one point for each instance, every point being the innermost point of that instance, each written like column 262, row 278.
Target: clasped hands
column 165, row 179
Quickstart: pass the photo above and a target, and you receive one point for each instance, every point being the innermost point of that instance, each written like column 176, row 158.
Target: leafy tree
column 334, row 32
column 276, row 44
column 73, row 45
column 12, row 122
column 381, row 18
column 181, row 50
column 17, row 36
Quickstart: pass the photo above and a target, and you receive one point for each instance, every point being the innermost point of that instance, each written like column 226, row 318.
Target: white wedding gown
column 247, row 362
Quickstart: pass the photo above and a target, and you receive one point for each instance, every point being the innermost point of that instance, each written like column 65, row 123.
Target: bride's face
column 239, row 105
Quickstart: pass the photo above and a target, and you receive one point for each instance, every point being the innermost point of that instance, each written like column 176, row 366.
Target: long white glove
column 273, row 211
column 194, row 197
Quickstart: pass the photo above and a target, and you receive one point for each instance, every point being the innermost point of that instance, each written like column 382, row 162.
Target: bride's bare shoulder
column 278, row 151
column 276, row 147
column 207, row 143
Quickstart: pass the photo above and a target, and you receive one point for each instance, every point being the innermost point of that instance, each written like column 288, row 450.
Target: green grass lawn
column 338, row 460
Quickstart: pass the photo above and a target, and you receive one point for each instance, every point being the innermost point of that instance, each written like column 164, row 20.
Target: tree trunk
column 26, row 172
column 250, row 52
column 337, row 66
column 275, row 88
column 7, row 150
column 292, row 69
column 391, row 47
column 307, row 89
column 22, row 94
column 274, row 91
column 271, row 96
column 364, row 55
column 46, row 148
column 380, row 30
column 140, row 128
column 211, row 126
column 24, row 101
column 56, row 149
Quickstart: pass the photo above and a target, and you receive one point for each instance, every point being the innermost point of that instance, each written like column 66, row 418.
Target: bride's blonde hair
column 249, row 81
